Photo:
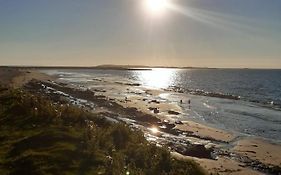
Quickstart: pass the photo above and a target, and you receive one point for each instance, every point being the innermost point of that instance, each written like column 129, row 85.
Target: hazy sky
column 213, row 33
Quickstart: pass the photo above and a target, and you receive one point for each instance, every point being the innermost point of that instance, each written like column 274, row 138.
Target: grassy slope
column 38, row 137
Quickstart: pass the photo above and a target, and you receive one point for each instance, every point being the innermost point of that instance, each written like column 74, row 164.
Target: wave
column 268, row 104
column 276, row 105
column 254, row 115
column 202, row 93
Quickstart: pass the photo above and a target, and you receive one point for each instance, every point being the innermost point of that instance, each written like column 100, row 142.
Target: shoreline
column 212, row 138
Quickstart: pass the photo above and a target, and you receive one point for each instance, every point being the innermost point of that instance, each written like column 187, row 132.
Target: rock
column 173, row 112
column 133, row 84
column 99, row 90
column 155, row 110
column 96, row 79
column 199, row 151
column 178, row 122
column 154, row 101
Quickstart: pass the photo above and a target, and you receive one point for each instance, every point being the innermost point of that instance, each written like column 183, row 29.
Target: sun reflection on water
column 157, row 77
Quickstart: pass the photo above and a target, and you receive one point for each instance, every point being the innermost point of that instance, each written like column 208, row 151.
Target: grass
column 39, row 137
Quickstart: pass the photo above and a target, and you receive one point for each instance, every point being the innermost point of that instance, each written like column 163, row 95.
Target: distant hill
column 112, row 66
column 108, row 66
column 123, row 67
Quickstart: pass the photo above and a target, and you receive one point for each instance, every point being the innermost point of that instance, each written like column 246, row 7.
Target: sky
column 199, row 33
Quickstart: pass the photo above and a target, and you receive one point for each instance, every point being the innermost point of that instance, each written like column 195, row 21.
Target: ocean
column 244, row 101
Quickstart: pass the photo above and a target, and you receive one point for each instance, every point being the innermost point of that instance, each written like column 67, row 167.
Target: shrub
column 39, row 137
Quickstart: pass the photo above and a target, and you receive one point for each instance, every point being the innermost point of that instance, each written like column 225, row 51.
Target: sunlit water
column 157, row 78
column 256, row 113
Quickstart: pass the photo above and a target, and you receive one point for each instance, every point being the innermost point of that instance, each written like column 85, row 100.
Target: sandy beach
column 228, row 154
column 222, row 166
column 16, row 77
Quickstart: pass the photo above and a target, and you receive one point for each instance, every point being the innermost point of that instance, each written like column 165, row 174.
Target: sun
column 156, row 7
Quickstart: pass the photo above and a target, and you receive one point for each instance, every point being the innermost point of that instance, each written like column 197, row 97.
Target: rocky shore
column 174, row 136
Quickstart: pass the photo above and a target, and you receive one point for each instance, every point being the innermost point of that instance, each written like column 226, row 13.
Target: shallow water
column 257, row 112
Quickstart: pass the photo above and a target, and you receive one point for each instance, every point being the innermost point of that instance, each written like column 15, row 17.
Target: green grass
column 39, row 137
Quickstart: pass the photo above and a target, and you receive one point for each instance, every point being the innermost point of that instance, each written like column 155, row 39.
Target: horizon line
column 113, row 66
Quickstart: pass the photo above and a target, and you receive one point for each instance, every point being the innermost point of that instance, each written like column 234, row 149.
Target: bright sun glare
column 156, row 7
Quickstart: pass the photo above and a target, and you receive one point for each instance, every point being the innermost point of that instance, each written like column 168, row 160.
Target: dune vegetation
column 38, row 136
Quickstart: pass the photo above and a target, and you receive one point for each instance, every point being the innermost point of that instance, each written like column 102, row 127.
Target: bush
column 39, row 137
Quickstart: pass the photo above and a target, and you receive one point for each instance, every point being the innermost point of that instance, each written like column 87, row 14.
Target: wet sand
column 267, row 154
column 199, row 130
column 206, row 132
column 260, row 150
